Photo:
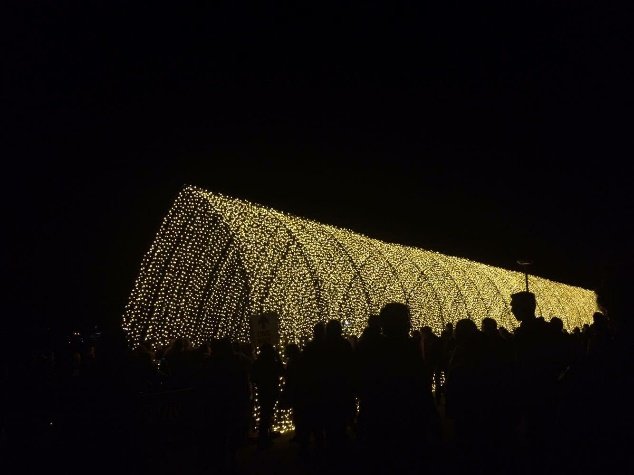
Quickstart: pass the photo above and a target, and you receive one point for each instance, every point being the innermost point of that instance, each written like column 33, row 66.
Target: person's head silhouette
column 319, row 331
column 466, row 331
column 557, row 325
column 333, row 329
column 374, row 321
column 267, row 352
column 395, row 319
column 489, row 326
column 523, row 306
column 292, row 351
column 613, row 297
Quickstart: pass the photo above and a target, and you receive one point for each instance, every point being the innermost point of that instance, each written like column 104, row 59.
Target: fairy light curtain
column 218, row 260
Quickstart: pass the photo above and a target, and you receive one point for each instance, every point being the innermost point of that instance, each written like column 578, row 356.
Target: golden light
column 217, row 260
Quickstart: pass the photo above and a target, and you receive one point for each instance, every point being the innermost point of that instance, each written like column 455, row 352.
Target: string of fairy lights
column 217, row 260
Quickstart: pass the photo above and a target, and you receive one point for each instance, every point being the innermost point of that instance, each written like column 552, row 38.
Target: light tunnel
column 218, row 260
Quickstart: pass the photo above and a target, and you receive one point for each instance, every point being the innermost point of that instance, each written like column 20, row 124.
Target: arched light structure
column 217, row 260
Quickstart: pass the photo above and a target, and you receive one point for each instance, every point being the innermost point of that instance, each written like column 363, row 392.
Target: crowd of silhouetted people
column 476, row 398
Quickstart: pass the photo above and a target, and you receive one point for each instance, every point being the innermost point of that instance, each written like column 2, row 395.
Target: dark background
column 493, row 132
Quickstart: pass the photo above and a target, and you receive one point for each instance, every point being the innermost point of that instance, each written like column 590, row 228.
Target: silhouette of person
column 496, row 417
column 266, row 372
column 535, row 380
column 448, row 342
column 339, row 399
column 180, row 363
column 465, row 397
column 291, row 394
column 601, row 386
column 311, row 389
column 366, row 361
column 223, row 402
column 432, row 354
column 399, row 418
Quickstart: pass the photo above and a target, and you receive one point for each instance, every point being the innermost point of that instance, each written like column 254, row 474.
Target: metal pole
column 524, row 264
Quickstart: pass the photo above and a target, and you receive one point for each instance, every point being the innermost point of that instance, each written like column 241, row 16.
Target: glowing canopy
column 217, row 260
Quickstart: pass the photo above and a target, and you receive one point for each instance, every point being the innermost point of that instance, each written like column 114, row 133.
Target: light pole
column 524, row 263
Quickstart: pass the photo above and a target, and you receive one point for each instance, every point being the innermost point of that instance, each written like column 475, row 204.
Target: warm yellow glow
column 218, row 260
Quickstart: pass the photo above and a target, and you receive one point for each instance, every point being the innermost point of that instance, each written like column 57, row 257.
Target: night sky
column 494, row 132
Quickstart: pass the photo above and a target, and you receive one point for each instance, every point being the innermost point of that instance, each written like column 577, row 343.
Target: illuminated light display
column 217, row 260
